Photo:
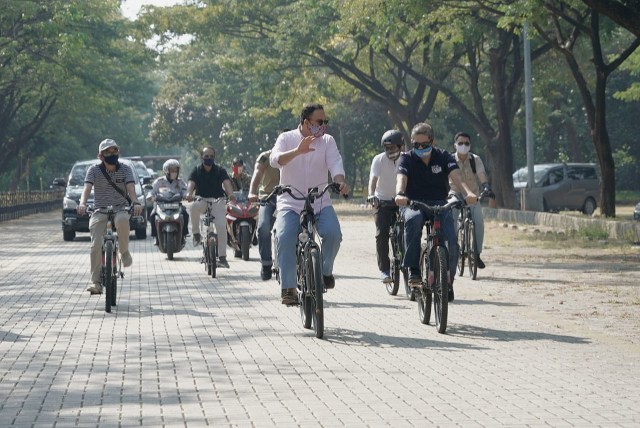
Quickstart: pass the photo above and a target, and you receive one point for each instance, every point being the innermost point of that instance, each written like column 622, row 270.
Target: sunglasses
column 421, row 144
column 463, row 143
column 207, row 157
column 320, row 121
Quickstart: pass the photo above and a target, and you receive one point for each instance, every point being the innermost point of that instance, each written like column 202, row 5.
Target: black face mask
column 208, row 162
column 111, row 160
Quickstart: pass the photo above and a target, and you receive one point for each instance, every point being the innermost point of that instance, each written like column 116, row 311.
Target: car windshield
column 141, row 169
column 522, row 175
column 78, row 174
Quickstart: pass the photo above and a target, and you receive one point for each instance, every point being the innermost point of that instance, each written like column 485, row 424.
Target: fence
column 18, row 204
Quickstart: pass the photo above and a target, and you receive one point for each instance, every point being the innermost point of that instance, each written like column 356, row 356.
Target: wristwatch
column 401, row 194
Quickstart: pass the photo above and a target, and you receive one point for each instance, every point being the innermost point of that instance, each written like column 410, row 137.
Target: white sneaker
column 126, row 259
column 95, row 289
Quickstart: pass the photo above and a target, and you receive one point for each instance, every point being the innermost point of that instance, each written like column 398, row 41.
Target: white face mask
column 173, row 175
column 463, row 150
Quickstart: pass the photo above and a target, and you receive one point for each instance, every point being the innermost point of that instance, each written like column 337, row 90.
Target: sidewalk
column 184, row 349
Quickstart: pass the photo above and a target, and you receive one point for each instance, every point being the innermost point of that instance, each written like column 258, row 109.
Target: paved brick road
column 184, row 349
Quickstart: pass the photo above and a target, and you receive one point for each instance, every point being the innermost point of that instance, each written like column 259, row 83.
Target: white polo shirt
column 385, row 170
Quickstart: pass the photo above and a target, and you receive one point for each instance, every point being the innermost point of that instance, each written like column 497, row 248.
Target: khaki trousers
column 97, row 227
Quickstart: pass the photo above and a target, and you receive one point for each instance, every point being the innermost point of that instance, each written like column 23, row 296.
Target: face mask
column 173, row 175
column 111, row 160
column 317, row 130
column 207, row 162
column 463, row 150
column 236, row 170
column 423, row 153
column 392, row 155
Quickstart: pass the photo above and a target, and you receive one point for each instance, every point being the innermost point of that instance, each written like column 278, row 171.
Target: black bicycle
column 466, row 235
column 309, row 279
column 434, row 266
column 210, row 241
column 396, row 240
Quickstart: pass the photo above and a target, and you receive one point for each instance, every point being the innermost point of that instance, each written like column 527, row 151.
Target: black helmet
column 392, row 136
column 238, row 162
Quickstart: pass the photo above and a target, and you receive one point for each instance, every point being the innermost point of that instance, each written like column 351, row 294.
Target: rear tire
column 245, row 242
column 317, row 292
column 68, row 235
column 142, row 232
column 464, row 248
column 108, row 275
column 392, row 287
column 589, row 206
column 441, row 289
column 473, row 252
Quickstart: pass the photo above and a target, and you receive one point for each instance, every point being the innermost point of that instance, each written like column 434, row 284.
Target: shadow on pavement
column 510, row 335
column 372, row 339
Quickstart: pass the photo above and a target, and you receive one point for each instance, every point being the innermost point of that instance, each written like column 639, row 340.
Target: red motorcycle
column 242, row 218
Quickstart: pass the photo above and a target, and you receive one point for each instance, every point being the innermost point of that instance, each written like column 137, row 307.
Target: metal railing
column 17, row 204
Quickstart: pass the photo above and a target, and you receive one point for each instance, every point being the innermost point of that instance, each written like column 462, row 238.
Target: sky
column 130, row 8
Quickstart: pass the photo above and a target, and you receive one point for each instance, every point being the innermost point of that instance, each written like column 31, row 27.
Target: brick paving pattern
column 182, row 349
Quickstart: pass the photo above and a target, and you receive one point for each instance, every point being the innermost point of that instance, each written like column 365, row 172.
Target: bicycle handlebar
column 106, row 210
column 313, row 194
column 452, row 202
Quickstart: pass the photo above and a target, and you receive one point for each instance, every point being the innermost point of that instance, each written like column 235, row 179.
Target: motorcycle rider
column 177, row 186
column 239, row 177
column 382, row 187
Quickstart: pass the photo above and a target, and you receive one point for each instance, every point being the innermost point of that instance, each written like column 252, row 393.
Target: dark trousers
column 384, row 218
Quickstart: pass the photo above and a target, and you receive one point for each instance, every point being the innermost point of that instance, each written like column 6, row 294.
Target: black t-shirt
column 209, row 184
column 427, row 182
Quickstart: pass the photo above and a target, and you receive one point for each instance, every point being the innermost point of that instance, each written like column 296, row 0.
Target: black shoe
column 222, row 262
column 451, row 295
column 197, row 238
column 329, row 281
column 479, row 261
column 265, row 273
column 415, row 280
column 289, row 296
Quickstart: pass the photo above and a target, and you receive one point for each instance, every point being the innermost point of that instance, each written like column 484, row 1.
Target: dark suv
column 72, row 222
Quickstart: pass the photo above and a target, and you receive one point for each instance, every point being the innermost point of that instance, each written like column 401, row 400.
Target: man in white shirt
column 382, row 188
column 305, row 156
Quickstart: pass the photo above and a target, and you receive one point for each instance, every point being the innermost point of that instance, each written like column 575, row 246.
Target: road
column 184, row 349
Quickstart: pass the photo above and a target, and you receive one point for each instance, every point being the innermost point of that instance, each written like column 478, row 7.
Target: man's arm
column 191, row 187
column 258, row 173
column 456, row 177
column 401, row 186
column 228, row 189
column 344, row 187
column 286, row 157
column 131, row 191
column 82, row 204
column 373, row 182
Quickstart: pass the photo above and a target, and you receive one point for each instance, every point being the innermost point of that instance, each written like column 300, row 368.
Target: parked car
column 72, row 222
column 145, row 178
column 564, row 186
column 636, row 212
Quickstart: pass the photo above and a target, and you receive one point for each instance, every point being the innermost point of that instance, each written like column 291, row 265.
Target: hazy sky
column 130, row 8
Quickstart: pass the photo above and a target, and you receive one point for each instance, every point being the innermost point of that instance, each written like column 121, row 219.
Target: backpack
column 472, row 161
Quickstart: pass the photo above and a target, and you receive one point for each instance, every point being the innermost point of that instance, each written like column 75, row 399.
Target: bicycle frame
column 210, row 242
column 396, row 241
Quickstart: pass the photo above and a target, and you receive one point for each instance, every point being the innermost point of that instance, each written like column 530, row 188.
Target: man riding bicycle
column 113, row 184
column 382, row 187
column 305, row 156
column 423, row 175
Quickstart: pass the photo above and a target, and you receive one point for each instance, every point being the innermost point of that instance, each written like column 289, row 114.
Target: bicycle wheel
column 212, row 242
column 441, row 288
column 411, row 295
column 108, row 275
column 303, row 290
column 472, row 251
column 316, row 286
column 462, row 243
column 424, row 294
column 392, row 287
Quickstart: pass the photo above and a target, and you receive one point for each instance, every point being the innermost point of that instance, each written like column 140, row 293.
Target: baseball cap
column 105, row 144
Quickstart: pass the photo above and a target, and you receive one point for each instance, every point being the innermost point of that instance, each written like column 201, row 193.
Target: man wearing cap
column 113, row 184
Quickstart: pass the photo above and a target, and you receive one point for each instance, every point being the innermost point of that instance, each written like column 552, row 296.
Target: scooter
column 242, row 218
column 169, row 222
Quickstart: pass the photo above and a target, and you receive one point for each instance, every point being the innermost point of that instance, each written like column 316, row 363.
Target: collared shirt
column 209, row 184
column 104, row 194
column 427, row 182
column 177, row 186
column 469, row 178
column 385, row 170
column 270, row 177
column 307, row 170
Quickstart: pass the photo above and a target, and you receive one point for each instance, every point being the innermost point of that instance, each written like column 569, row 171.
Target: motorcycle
column 242, row 218
column 169, row 222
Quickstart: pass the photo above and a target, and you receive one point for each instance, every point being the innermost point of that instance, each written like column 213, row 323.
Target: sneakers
column 197, row 238
column 451, row 296
column 289, row 296
column 265, row 272
column 96, row 288
column 329, row 281
column 415, row 280
column 481, row 264
column 126, row 259
column 155, row 241
column 222, row 262
column 386, row 278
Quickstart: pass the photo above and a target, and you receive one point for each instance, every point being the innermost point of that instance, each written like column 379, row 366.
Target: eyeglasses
column 464, row 143
column 421, row 144
column 320, row 121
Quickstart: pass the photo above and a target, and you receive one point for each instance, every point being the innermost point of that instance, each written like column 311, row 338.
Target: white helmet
column 171, row 163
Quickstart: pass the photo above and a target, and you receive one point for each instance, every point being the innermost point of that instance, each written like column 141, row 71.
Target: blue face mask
column 207, row 162
column 111, row 160
column 423, row 153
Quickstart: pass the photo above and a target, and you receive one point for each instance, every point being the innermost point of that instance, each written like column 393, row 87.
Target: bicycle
column 210, row 241
column 434, row 266
column 466, row 237
column 396, row 239
column 275, row 268
column 111, row 263
column 309, row 279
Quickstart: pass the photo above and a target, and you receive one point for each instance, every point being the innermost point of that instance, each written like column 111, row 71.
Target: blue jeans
column 413, row 225
column 287, row 227
column 265, row 224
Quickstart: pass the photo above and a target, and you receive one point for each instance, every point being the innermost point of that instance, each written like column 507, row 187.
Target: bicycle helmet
column 171, row 163
column 392, row 136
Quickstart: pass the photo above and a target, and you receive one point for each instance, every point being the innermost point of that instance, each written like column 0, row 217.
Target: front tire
column 68, row 235
column 108, row 275
column 168, row 243
column 245, row 242
column 441, row 289
column 212, row 242
column 589, row 206
column 142, row 232
column 424, row 295
column 304, row 296
column 317, row 286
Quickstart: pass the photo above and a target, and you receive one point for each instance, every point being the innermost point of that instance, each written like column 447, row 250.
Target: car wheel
column 68, row 235
column 589, row 206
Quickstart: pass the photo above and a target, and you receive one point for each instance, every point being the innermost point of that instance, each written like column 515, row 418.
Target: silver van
column 563, row 186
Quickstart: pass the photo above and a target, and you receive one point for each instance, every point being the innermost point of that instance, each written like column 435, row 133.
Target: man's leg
column 329, row 230
column 123, row 230
column 97, row 227
column 478, row 222
column 265, row 223
column 413, row 223
column 287, row 223
column 219, row 212
column 449, row 232
column 197, row 209
column 383, row 217
column 185, row 218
